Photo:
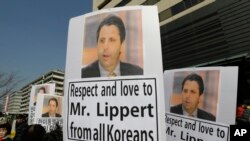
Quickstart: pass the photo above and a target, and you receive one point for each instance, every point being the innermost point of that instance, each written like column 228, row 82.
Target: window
column 179, row 7
column 103, row 4
column 150, row 2
column 165, row 14
column 122, row 3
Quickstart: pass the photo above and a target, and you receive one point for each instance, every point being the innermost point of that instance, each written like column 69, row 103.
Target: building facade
column 4, row 99
column 169, row 10
column 55, row 76
column 15, row 102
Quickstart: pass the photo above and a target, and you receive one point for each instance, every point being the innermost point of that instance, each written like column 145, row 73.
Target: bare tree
column 8, row 82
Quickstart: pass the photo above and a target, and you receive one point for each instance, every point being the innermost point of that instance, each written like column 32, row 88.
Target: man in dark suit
column 110, row 39
column 52, row 105
column 192, row 89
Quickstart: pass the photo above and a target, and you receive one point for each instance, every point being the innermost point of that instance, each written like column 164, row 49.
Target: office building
column 55, row 76
column 15, row 102
column 4, row 100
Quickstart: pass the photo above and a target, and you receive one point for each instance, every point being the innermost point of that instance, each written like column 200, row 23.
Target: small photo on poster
column 113, row 44
column 41, row 89
column 195, row 93
column 49, row 106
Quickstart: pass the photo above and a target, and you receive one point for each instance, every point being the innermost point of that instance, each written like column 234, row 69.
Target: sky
column 33, row 35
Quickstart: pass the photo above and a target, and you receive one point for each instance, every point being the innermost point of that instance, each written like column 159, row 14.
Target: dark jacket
column 93, row 70
column 47, row 115
column 200, row 113
column 20, row 131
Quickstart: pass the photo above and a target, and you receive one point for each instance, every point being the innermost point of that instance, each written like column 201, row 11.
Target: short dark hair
column 53, row 99
column 54, row 135
column 197, row 78
column 42, row 88
column 21, row 116
column 34, row 132
column 116, row 21
column 6, row 126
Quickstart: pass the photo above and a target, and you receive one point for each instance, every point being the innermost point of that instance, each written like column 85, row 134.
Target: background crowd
column 17, row 129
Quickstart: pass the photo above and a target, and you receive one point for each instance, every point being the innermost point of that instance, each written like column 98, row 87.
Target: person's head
column 20, row 119
column 55, row 135
column 42, row 90
column 33, row 132
column 110, row 38
column 52, row 105
column 4, row 129
column 192, row 88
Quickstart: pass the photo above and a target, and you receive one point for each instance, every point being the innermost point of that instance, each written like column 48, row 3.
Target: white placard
column 42, row 89
column 113, row 109
column 47, row 104
column 140, row 49
column 212, row 89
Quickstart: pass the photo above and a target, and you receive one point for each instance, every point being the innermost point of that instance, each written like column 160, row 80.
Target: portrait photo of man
column 192, row 88
column 110, row 40
column 52, row 108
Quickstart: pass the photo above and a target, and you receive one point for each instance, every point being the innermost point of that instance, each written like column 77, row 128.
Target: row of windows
column 177, row 8
column 14, row 107
column 125, row 2
column 52, row 80
column 150, row 2
column 15, row 102
column 122, row 3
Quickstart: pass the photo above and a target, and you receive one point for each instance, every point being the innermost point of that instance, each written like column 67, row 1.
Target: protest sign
column 112, row 55
column 35, row 90
column 49, row 111
column 203, row 98
column 113, row 109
